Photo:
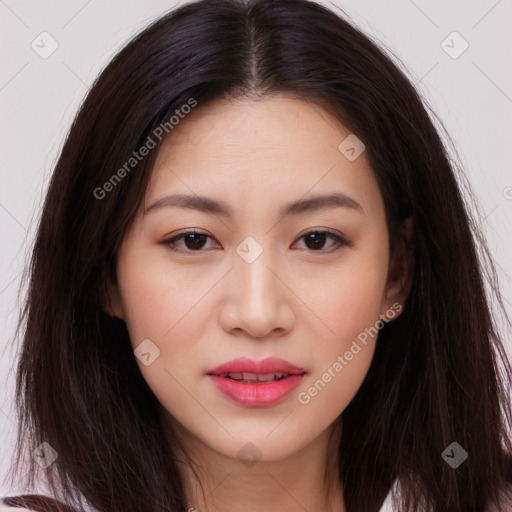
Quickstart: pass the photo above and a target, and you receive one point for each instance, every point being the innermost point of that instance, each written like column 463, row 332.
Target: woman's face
column 252, row 284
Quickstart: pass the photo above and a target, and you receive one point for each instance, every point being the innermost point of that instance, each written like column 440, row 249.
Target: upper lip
column 268, row 365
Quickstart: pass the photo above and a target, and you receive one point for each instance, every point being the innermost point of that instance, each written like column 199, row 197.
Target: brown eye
column 315, row 240
column 192, row 242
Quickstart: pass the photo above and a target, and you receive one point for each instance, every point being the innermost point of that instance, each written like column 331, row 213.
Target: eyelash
column 341, row 242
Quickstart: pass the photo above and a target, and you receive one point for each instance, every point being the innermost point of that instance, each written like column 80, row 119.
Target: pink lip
column 269, row 365
column 260, row 394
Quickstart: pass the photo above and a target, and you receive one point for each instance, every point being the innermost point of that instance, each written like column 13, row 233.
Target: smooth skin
column 303, row 299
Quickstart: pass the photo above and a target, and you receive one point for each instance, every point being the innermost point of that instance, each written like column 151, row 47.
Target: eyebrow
column 216, row 207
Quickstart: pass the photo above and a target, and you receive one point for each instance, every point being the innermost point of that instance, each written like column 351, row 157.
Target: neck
column 308, row 479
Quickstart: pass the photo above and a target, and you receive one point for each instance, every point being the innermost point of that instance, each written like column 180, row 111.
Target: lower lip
column 261, row 394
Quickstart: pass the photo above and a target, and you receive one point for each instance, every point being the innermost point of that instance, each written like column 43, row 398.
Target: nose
column 259, row 301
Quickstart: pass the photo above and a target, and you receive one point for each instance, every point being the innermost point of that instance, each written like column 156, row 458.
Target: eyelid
column 340, row 239
column 179, row 236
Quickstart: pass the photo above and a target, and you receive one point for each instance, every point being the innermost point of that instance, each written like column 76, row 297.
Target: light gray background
column 39, row 97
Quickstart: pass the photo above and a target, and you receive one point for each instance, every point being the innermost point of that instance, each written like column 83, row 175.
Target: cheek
column 157, row 298
column 166, row 305
column 349, row 308
column 341, row 360
column 349, row 296
column 158, row 306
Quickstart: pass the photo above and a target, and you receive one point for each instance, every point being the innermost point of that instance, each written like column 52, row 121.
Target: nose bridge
column 258, row 303
column 257, row 287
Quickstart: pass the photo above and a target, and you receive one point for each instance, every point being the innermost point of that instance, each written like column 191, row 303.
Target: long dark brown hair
column 440, row 372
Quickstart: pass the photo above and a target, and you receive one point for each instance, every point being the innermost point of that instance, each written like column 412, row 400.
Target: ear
column 401, row 271
column 111, row 300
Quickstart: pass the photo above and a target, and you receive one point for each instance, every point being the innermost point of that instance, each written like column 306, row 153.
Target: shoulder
column 505, row 501
column 33, row 503
column 7, row 508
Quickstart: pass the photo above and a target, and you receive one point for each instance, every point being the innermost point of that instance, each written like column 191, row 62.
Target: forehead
column 257, row 149
column 278, row 125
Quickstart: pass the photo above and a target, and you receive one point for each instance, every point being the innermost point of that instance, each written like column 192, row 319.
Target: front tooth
column 265, row 377
column 256, row 377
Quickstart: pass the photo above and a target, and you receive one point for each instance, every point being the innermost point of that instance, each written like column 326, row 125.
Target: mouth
column 257, row 383
column 247, row 369
column 252, row 378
